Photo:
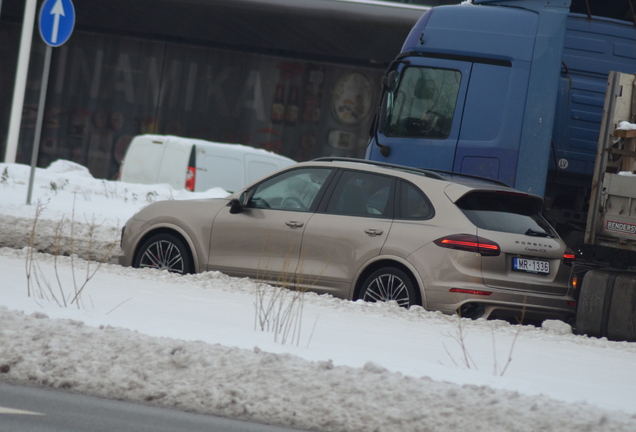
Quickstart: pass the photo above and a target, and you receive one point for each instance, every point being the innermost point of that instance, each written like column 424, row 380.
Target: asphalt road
column 33, row 409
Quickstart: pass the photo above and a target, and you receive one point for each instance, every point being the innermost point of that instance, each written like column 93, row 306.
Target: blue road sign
column 57, row 19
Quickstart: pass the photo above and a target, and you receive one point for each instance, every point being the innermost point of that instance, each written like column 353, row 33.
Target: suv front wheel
column 164, row 252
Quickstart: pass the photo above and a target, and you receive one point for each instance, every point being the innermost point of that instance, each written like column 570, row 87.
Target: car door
column 263, row 240
column 349, row 229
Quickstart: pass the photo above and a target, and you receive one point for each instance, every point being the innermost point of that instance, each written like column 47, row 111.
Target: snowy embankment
column 194, row 343
column 76, row 213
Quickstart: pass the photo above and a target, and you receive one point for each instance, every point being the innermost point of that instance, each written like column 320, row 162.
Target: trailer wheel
column 593, row 307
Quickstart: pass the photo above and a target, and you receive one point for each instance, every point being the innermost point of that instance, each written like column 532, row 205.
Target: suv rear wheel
column 389, row 283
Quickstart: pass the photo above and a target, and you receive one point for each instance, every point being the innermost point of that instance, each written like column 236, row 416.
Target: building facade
column 299, row 81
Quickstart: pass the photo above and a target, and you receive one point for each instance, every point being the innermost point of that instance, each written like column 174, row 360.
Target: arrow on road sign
column 57, row 10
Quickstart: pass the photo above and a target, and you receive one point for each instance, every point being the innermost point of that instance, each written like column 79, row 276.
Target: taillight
column 469, row 243
column 569, row 257
column 191, row 176
column 470, row 291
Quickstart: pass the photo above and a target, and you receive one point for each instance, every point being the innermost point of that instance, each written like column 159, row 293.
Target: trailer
column 607, row 298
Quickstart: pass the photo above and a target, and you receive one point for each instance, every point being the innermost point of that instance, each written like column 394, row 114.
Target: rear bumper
column 508, row 305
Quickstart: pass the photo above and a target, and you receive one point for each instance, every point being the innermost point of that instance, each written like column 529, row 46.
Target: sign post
column 56, row 23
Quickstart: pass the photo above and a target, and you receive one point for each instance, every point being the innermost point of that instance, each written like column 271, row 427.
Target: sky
column 209, row 343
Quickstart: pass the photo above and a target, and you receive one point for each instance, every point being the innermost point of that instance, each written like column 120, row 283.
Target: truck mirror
column 390, row 80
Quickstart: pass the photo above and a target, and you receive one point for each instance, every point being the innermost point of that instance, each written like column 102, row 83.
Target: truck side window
column 423, row 104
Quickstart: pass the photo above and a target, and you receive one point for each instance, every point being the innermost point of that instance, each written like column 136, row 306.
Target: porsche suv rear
column 525, row 270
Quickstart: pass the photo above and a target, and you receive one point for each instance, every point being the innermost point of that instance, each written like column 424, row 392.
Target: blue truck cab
column 511, row 90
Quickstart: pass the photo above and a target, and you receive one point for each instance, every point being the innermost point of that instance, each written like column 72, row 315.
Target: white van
column 196, row 165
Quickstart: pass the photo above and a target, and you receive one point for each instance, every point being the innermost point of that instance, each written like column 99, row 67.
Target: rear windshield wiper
column 534, row 233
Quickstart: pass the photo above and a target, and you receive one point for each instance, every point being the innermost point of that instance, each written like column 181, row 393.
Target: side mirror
column 237, row 204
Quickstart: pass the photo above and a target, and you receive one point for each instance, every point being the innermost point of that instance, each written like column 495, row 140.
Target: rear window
column 515, row 214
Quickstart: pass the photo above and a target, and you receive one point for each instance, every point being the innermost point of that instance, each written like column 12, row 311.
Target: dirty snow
column 194, row 342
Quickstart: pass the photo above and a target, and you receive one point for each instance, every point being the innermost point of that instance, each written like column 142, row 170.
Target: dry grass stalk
column 280, row 309
column 37, row 283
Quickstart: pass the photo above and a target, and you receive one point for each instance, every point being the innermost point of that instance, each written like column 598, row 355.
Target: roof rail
column 436, row 174
column 428, row 173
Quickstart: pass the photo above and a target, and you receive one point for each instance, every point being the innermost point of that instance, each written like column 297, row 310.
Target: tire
column 164, row 252
column 390, row 283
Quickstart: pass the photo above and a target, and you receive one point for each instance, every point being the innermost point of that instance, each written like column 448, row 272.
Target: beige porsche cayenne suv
column 364, row 230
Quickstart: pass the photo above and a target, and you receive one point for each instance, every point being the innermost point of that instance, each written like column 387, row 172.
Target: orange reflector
column 571, row 303
column 575, row 282
column 469, row 291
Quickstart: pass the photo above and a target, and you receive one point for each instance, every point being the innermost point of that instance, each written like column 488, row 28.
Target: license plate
column 531, row 266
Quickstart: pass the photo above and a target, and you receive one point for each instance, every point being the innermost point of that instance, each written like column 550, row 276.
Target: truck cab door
column 422, row 112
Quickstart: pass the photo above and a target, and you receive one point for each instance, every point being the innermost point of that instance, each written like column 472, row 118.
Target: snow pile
column 269, row 388
column 625, row 125
column 556, row 326
column 76, row 212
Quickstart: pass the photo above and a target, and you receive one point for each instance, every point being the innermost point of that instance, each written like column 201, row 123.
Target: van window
column 423, row 104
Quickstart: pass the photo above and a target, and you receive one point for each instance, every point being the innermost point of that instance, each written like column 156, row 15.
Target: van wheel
column 164, row 252
column 387, row 284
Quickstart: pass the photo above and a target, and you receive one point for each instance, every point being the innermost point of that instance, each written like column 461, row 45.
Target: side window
column 413, row 203
column 362, row 194
column 292, row 190
column 423, row 104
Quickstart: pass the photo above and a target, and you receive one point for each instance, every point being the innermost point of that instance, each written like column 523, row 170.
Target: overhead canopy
column 355, row 31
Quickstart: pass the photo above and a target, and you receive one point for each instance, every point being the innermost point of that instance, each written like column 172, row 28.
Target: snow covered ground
column 195, row 343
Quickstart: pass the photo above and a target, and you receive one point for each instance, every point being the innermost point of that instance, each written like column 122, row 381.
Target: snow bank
column 77, row 213
column 278, row 389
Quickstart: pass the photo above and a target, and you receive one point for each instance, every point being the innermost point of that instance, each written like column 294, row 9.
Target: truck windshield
column 423, row 104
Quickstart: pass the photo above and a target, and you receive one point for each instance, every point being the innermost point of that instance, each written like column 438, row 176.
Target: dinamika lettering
column 621, row 227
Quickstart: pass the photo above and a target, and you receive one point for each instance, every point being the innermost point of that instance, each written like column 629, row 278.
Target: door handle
column 373, row 232
column 294, row 224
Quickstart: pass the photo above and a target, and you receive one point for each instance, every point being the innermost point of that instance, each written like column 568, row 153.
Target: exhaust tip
column 472, row 310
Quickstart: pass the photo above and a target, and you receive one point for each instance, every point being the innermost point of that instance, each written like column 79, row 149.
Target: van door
column 423, row 113
column 143, row 159
column 219, row 168
column 174, row 163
